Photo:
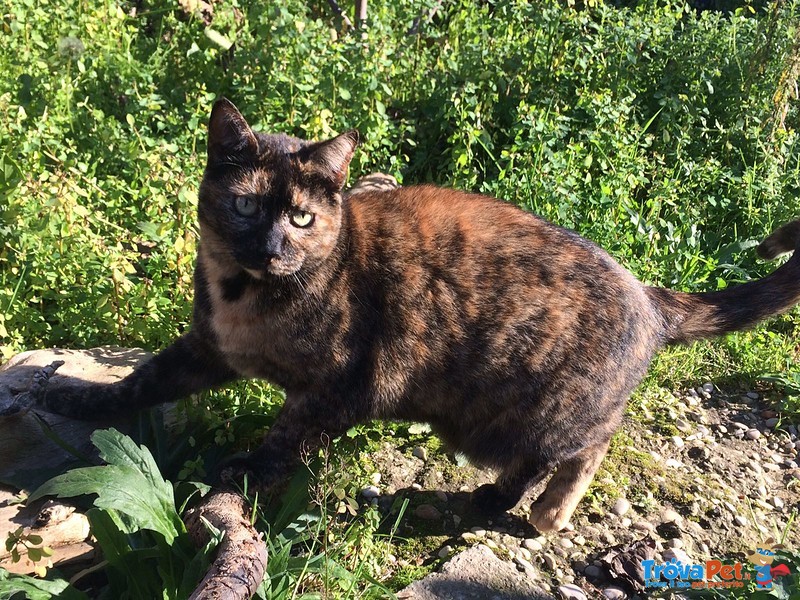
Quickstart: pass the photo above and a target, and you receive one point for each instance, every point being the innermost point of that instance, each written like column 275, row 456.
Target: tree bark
column 241, row 559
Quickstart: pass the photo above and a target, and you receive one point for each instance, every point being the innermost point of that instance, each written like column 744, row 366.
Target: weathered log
column 241, row 558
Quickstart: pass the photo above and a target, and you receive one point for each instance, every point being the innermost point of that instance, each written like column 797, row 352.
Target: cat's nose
column 271, row 257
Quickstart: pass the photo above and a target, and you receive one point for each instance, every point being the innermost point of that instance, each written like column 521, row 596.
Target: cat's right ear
column 230, row 139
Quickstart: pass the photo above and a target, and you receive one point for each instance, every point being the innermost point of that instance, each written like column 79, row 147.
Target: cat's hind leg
column 553, row 509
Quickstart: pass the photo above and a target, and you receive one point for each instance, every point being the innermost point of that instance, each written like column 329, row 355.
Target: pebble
column 524, row 552
column 790, row 464
column 677, row 441
column 771, row 467
column 445, row 551
column 670, row 516
column 427, row 512
column 621, row 506
column 469, row 537
column 375, row 478
column 740, row 521
column 532, row 545
column 370, row 492
column 566, row 543
column 625, row 522
column 614, row 593
column 592, row 571
column 708, row 387
column 571, row 592
column 722, row 429
column 771, row 422
column 580, row 565
column 678, row 554
column 682, row 425
column 777, row 502
column 526, row 565
column 675, row 543
column 752, row 434
column 549, row 561
column 417, row 487
column 441, row 496
column 740, row 426
column 673, row 463
column 579, row 540
column 478, row 531
column 752, row 395
column 420, row 452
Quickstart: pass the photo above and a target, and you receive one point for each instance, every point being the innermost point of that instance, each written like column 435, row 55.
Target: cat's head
column 271, row 204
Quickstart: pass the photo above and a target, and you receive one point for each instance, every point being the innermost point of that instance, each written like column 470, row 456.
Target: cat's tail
column 689, row 317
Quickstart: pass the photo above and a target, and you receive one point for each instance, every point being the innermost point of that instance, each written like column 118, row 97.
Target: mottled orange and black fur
column 518, row 341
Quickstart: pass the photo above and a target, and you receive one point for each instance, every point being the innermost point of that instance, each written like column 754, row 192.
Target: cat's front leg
column 187, row 366
column 305, row 422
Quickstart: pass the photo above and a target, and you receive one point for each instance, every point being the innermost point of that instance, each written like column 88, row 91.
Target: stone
column 445, row 552
column 675, row 543
column 571, row 592
column 479, row 532
column 532, row 545
column 771, row 422
column 621, row 506
column 614, row 593
column 370, row 492
column 420, row 452
column 549, row 561
column 592, row 572
column 427, row 512
column 677, row 441
column 682, row 425
column 566, row 543
column 476, row 574
column 752, row 395
column 375, row 478
column 669, row 515
column 752, row 434
column 740, row 521
column 678, row 554
column 778, row 503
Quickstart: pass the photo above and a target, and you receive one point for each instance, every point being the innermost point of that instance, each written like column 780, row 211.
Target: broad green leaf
column 118, row 449
column 120, row 488
column 11, row 585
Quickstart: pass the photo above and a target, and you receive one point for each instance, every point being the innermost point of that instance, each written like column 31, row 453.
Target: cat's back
column 439, row 225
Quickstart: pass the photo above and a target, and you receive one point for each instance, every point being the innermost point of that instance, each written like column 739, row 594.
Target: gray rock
column 677, row 441
column 475, row 574
column 571, row 592
column 420, row 452
column 549, row 561
column 445, row 551
column 370, row 492
column 752, row 434
column 708, row 387
column 621, row 506
column 771, row 422
column 752, row 395
column 614, row 593
column 427, row 512
column 592, row 572
column 682, row 425
column 532, row 545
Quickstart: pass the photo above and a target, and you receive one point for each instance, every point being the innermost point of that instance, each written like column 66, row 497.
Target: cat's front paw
column 21, row 402
column 490, row 500
column 239, row 472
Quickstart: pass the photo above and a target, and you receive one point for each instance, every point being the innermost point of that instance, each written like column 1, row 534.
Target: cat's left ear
column 332, row 157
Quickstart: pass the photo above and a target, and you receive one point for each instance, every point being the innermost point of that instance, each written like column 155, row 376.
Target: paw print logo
column 762, row 558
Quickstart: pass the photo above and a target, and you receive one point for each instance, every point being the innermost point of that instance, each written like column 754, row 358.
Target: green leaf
column 130, row 484
column 36, row 589
column 219, row 39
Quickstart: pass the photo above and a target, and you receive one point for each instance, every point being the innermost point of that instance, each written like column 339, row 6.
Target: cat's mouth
column 276, row 269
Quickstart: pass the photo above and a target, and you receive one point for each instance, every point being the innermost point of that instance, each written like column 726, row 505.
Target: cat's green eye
column 245, row 206
column 301, row 218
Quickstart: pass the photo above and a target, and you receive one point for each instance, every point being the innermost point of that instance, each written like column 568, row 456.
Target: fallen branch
column 241, row 557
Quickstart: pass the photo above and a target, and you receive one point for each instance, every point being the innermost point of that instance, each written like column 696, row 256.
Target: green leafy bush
column 666, row 134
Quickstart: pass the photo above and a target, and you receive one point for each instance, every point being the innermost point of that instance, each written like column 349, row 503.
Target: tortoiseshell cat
column 518, row 341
